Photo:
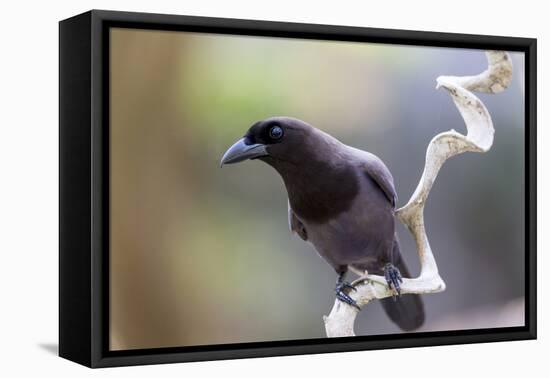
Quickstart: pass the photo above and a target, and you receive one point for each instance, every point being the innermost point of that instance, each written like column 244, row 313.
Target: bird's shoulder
column 375, row 168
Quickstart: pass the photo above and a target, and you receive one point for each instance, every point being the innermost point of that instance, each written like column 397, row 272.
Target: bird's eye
column 276, row 132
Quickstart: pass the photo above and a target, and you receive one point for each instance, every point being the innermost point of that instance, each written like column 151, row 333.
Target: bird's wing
column 295, row 224
column 378, row 171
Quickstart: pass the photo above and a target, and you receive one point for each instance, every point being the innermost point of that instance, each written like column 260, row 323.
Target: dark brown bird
column 340, row 199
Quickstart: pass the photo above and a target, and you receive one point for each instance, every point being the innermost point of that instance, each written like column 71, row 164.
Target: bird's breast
column 320, row 195
column 361, row 231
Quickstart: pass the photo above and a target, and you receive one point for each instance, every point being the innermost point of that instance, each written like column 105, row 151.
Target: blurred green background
column 203, row 255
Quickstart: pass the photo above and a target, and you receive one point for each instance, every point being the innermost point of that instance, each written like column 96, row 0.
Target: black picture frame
column 84, row 187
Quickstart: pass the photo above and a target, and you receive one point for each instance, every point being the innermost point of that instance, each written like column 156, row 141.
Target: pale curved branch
column 443, row 146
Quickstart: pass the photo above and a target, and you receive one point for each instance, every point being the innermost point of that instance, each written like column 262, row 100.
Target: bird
column 342, row 200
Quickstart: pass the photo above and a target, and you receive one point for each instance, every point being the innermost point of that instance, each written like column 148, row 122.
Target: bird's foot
column 393, row 278
column 342, row 296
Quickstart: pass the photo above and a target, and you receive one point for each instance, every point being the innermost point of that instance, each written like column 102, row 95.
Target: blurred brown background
column 203, row 255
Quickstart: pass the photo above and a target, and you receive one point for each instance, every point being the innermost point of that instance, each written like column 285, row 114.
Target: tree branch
column 443, row 146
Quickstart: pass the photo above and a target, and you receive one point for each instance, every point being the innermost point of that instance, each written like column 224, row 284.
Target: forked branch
column 479, row 138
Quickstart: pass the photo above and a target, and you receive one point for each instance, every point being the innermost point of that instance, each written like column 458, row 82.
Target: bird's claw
column 346, row 285
column 342, row 296
column 393, row 277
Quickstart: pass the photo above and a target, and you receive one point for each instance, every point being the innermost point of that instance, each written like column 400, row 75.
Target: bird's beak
column 241, row 151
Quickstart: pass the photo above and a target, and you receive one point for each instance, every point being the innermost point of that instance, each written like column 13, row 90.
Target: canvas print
column 267, row 189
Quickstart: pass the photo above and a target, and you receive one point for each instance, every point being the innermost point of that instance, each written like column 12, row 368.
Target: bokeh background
column 203, row 255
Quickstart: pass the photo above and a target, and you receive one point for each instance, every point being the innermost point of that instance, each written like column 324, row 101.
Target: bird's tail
column 407, row 311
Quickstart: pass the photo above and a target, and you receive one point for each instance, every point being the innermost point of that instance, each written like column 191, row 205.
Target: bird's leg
column 341, row 285
column 393, row 277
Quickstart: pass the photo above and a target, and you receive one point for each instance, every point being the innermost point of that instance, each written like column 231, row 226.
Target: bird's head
column 274, row 140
